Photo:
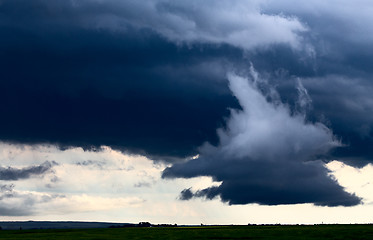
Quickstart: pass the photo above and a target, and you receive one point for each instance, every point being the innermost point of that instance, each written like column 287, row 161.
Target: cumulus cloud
column 266, row 155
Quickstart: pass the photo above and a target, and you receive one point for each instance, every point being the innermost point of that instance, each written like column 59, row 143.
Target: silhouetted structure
column 144, row 224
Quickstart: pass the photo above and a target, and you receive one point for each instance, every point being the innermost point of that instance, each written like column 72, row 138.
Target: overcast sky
column 186, row 111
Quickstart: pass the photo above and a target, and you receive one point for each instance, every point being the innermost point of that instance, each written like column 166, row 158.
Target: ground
column 203, row 232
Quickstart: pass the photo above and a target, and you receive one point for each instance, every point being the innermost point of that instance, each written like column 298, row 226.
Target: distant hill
column 57, row 225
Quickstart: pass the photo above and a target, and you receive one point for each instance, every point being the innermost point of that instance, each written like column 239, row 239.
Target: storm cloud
column 149, row 78
column 237, row 23
column 134, row 75
column 266, row 154
column 74, row 86
column 90, row 73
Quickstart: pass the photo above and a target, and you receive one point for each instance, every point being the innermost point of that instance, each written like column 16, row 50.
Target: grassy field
column 220, row 232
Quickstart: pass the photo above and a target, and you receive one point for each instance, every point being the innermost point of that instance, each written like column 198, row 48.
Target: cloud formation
column 237, row 23
column 148, row 77
column 28, row 203
column 266, row 155
column 99, row 74
column 10, row 173
column 133, row 75
column 347, row 103
column 135, row 95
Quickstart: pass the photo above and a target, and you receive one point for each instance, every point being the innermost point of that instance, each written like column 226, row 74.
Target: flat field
column 204, row 232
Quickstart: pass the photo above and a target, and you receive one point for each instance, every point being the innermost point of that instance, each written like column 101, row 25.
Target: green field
column 220, row 232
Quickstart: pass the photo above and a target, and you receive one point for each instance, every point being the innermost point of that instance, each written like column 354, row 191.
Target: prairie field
column 203, row 232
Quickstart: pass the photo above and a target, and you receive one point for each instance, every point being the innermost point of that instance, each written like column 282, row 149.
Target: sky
column 187, row 112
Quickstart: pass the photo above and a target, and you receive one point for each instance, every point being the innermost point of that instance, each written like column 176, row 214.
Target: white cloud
column 265, row 130
column 78, row 187
column 88, row 193
column 358, row 180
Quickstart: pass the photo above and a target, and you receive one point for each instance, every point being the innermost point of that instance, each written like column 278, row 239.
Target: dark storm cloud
column 266, row 154
column 66, row 84
column 149, row 77
column 336, row 65
column 348, row 105
column 117, row 73
column 270, row 184
column 10, row 173
column 339, row 38
column 85, row 73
